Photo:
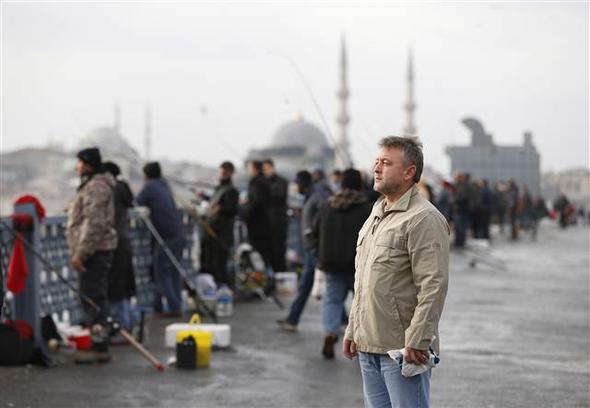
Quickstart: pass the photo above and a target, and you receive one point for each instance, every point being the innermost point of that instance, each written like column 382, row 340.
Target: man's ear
column 409, row 172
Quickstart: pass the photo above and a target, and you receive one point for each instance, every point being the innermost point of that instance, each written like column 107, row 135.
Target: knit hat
column 90, row 156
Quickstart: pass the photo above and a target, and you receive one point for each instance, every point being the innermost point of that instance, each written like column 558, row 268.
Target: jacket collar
column 401, row 204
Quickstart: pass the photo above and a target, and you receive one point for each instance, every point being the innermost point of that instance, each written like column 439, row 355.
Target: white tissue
column 411, row 369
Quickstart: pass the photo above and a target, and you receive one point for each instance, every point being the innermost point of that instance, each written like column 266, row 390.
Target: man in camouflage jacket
column 92, row 240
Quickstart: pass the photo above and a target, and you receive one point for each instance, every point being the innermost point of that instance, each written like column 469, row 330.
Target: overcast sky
column 515, row 67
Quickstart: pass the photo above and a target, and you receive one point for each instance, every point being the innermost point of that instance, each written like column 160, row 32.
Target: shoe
column 286, row 326
column 328, row 349
column 99, row 348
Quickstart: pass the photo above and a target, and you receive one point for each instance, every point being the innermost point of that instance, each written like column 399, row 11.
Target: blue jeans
column 169, row 279
column 385, row 386
column 305, row 286
column 337, row 288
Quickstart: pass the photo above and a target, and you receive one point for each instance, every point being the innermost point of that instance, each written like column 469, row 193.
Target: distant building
column 49, row 173
column 295, row 146
column 485, row 160
column 574, row 183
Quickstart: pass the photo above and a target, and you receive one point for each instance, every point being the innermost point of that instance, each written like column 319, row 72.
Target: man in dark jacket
column 279, row 222
column 217, row 243
column 337, row 227
column 256, row 211
column 157, row 196
column 311, row 207
column 121, row 276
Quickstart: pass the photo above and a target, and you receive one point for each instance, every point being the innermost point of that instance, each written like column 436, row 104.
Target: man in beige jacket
column 402, row 263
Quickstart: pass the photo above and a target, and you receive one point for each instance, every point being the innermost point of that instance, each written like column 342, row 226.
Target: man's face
column 81, row 168
column 250, row 169
column 268, row 169
column 390, row 171
column 224, row 173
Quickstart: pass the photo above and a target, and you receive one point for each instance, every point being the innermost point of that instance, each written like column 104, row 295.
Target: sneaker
column 286, row 326
column 328, row 349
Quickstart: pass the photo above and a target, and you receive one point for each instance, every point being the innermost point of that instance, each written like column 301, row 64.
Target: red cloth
column 35, row 201
column 17, row 268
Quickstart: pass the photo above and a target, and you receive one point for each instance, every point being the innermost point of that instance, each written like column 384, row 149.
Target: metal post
column 27, row 304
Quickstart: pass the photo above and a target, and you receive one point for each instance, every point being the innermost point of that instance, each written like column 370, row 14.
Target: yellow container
column 203, row 339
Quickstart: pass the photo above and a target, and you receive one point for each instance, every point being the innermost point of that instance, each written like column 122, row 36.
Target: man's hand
column 77, row 265
column 215, row 209
column 416, row 356
column 349, row 349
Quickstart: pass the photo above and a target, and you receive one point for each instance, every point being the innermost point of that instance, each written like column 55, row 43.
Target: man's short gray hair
column 411, row 148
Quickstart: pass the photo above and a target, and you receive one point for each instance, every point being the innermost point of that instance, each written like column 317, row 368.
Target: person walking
column 221, row 217
column 402, row 264
column 311, row 206
column 279, row 221
column 122, row 275
column 157, row 196
column 92, row 239
column 337, row 227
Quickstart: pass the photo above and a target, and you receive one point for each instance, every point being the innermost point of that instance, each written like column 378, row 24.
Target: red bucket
column 81, row 340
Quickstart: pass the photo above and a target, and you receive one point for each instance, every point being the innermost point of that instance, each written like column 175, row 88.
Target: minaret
column 343, row 159
column 410, row 106
column 117, row 119
column 147, row 141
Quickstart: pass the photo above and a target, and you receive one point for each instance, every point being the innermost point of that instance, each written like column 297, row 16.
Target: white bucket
column 286, row 282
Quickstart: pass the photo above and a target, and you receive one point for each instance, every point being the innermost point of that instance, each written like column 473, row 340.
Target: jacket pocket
column 390, row 247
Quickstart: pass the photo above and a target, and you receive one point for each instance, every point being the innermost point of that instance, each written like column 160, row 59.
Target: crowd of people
column 386, row 240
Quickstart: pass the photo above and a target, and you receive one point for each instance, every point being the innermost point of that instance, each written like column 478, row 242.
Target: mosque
column 300, row 144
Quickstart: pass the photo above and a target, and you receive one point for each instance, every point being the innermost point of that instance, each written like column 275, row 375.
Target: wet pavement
column 518, row 337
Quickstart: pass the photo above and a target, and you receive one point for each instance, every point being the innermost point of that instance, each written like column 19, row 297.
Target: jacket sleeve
column 94, row 207
column 126, row 194
column 229, row 203
column 428, row 243
column 256, row 197
column 144, row 197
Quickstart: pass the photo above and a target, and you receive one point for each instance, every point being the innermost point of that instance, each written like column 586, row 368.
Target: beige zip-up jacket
column 402, row 268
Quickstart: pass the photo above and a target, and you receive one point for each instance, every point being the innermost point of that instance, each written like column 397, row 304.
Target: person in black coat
column 222, row 214
column 122, row 275
column 255, row 210
column 337, row 227
column 279, row 221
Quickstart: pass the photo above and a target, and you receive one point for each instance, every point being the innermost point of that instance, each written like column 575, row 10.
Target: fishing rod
column 313, row 99
column 178, row 266
column 113, row 324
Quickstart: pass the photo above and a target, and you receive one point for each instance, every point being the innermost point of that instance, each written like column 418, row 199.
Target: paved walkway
column 513, row 338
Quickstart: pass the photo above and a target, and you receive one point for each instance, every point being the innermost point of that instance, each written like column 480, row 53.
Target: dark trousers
column 214, row 258
column 94, row 283
column 461, row 222
column 279, row 246
column 168, row 278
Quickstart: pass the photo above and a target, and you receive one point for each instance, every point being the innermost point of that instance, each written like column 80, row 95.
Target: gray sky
column 516, row 67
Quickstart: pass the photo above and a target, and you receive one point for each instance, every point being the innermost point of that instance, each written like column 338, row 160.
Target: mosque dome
column 110, row 142
column 299, row 133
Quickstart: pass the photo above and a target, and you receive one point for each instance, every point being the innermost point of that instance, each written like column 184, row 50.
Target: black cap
column 90, row 156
